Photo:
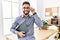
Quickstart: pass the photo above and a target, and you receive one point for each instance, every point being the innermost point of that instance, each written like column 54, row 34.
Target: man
column 29, row 20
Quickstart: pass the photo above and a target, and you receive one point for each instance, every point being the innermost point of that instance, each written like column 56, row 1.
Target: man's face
column 26, row 9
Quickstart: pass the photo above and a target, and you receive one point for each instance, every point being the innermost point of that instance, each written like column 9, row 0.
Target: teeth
column 26, row 12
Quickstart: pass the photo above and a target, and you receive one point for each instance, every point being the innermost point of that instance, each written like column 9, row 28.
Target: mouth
column 26, row 12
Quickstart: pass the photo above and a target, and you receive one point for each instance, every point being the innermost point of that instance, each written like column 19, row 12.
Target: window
column 6, row 9
column 15, row 9
column 7, row 24
column 10, row 12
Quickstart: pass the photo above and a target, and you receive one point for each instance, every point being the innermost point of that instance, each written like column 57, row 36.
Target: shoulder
column 19, row 17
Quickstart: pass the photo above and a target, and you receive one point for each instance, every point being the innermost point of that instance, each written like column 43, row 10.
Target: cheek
column 28, row 9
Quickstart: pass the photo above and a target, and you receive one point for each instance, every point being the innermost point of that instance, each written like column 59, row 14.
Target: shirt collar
column 23, row 16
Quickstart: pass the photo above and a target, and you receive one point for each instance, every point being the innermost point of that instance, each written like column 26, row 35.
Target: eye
column 26, row 7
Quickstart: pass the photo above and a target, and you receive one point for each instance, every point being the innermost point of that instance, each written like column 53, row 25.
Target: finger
column 21, row 35
column 31, row 8
column 23, row 32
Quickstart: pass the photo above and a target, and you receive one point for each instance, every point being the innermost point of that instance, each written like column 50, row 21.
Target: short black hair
column 26, row 3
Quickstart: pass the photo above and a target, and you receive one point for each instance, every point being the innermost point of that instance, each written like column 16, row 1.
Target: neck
column 25, row 16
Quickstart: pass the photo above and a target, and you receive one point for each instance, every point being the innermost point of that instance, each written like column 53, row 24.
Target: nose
column 26, row 9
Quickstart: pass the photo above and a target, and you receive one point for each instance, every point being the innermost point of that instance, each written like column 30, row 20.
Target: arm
column 38, row 21
column 14, row 25
column 13, row 28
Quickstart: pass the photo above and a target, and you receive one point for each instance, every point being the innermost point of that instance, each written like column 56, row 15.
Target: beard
column 26, row 12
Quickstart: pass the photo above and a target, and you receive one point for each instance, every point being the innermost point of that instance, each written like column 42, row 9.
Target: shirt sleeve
column 14, row 25
column 38, row 21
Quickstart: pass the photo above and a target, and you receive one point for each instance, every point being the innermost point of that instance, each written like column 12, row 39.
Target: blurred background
column 10, row 9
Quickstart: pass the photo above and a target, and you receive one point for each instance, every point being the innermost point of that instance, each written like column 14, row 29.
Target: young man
column 29, row 20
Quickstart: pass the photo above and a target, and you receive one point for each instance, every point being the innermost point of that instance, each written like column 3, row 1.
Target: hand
column 21, row 34
column 32, row 10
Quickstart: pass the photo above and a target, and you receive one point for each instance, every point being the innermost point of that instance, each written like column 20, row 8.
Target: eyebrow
column 26, row 7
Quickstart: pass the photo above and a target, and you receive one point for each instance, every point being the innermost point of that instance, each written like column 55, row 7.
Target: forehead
column 26, row 5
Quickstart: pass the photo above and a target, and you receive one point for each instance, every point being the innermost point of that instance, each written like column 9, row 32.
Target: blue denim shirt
column 29, row 21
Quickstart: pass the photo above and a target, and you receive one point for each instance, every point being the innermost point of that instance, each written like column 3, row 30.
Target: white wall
column 52, row 3
column 42, row 4
column 1, row 27
column 40, row 8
